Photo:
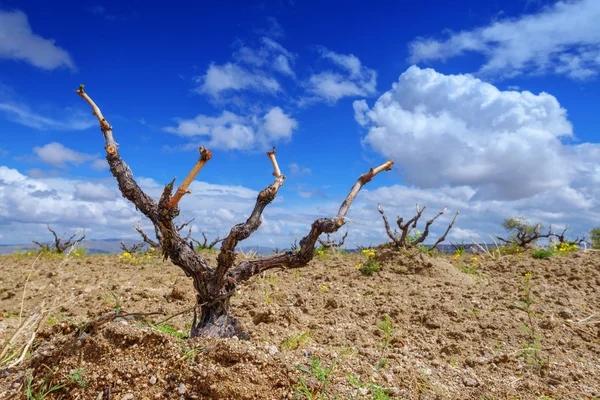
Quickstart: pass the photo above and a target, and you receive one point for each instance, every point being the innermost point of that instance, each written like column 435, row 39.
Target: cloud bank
column 562, row 39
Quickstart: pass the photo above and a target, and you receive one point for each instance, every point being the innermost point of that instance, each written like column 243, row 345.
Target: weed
column 564, row 248
column 269, row 278
column 117, row 303
column 293, row 342
column 190, row 353
column 532, row 347
column 11, row 354
column 468, row 269
column 43, row 389
column 319, row 371
column 413, row 238
column 79, row 252
column 139, row 256
column 542, row 253
column 458, row 252
column 511, row 249
column 388, row 332
column 320, row 252
column 370, row 266
column 386, row 341
column 346, row 350
column 268, row 299
column 76, row 376
column 169, row 329
column 19, row 255
column 376, row 392
column 427, row 250
column 9, row 315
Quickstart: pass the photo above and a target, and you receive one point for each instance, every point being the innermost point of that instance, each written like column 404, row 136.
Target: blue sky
column 485, row 107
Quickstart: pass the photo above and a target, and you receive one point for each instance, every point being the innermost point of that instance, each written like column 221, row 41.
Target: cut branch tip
column 205, row 155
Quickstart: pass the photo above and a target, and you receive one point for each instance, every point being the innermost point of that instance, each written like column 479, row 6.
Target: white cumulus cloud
column 232, row 77
column 235, row 132
column 350, row 78
column 252, row 69
column 457, row 130
column 59, row 156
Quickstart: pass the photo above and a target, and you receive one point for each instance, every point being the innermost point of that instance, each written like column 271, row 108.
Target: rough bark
column 215, row 286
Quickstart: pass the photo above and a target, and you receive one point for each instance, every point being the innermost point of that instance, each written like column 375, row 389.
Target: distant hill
column 93, row 246
column 113, row 246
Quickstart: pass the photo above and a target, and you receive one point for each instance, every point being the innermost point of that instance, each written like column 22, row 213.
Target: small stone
column 548, row 323
column 470, row 381
column 331, row 303
column 152, row 380
column 562, row 302
column 566, row 313
column 272, row 349
column 127, row 396
column 181, row 389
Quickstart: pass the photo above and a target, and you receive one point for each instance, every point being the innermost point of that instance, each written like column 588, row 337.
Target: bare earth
column 458, row 335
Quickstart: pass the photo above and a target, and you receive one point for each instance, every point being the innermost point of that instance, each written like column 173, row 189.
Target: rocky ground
column 424, row 327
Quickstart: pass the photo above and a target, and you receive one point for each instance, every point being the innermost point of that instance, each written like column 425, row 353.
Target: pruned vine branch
column 562, row 239
column 156, row 244
column 521, row 233
column 60, row 245
column 205, row 244
column 333, row 243
column 133, row 248
column 404, row 239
